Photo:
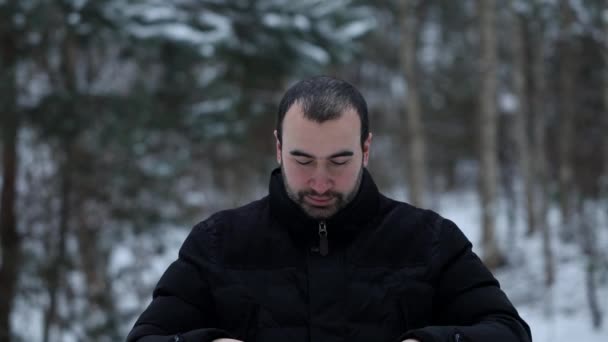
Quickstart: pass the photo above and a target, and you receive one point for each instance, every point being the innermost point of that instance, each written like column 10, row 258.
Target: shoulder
column 230, row 217
column 206, row 237
column 400, row 235
column 425, row 233
column 404, row 217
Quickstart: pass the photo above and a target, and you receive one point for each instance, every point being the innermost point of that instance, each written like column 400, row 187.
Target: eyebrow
column 344, row 153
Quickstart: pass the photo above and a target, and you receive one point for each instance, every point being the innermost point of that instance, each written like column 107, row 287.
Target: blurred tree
column 542, row 185
column 540, row 117
column 10, row 239
column 410, row 15
column 593, row 192
column 589, row 244
column 567, row 97
column 446, row 88
column 522, row 114
column 488, row 119
column 604, row 30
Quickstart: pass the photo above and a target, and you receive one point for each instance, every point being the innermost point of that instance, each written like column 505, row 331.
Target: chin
column 320, row 214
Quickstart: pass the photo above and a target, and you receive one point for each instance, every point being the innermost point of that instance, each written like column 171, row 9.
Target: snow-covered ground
column 559, row 314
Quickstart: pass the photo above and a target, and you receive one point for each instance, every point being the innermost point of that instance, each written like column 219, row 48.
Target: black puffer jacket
column 390, row 271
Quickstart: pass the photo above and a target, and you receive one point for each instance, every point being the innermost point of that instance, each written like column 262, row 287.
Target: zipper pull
column 323, row 243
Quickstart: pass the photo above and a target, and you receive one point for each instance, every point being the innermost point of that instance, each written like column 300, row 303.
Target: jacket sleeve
column 182, row 306
column 469, row 305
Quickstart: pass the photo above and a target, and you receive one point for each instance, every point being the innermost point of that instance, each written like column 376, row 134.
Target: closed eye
column 339, row 161
column 303, row 161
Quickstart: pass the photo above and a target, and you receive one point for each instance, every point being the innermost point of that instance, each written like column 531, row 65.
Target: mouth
column 319, row 201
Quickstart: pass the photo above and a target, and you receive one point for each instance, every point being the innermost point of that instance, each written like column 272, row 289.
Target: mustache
column 328, row 194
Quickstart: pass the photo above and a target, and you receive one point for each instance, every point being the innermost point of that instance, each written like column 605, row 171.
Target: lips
column 319, row 201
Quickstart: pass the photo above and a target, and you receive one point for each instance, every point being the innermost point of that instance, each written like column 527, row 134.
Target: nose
column 320, row 182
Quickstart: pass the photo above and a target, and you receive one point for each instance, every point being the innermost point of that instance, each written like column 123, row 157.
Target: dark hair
column 324, row 98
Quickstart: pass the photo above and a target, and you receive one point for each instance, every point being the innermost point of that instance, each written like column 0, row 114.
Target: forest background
column 123, row 123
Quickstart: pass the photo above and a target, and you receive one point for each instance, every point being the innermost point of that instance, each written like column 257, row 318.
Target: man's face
column 322, row 164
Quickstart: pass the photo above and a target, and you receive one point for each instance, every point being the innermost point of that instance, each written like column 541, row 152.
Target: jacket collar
column 347, row 221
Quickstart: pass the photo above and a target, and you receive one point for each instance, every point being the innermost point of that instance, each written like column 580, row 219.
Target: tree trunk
column 567, row 95
column 94, row 260
column 56, row 268
column 416, row 147
column 605, row 54
column 588, row 213
column 10, row 241
column 57, row 256
column 521, row 117
column 590, row 224
column 488, row 120
column 540, row 173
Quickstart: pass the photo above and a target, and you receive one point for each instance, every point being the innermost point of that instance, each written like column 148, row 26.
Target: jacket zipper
column 323, row 243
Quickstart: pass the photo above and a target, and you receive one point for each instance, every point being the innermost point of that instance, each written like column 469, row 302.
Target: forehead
column 326, row 137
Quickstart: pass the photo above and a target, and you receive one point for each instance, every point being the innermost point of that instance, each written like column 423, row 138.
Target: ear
column 278, row 146
column 366, row 149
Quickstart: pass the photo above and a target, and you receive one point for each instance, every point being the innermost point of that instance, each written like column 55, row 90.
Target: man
column 325, row 257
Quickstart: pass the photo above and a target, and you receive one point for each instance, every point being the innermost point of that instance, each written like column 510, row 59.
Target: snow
column 521, row 6
column 398, row 87
column 560, row 313
column 156, row 19
column 121, row 257
column 431, row 49
column 356, row 29
column 27, row 318
column 557, row 314
column 19, row 20
column 301, row 22
column 315, row 52
column 583, row 16
column 278, row 21
column 78, row 4
column 180, row 32
column 73, row 18
column 324, row 8
column 561, row 327
column 508, row 102
column 212, row 106
column 273, row 20
column 159, row 13
column 222, row 24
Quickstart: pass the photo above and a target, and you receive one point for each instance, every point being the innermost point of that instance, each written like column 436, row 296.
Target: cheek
column 296, row 176
column 346, row 179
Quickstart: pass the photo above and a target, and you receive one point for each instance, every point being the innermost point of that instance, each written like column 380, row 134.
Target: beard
column 341, row 199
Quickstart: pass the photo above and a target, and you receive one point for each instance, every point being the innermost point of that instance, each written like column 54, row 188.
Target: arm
column 469, row 305
column 182, row 306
